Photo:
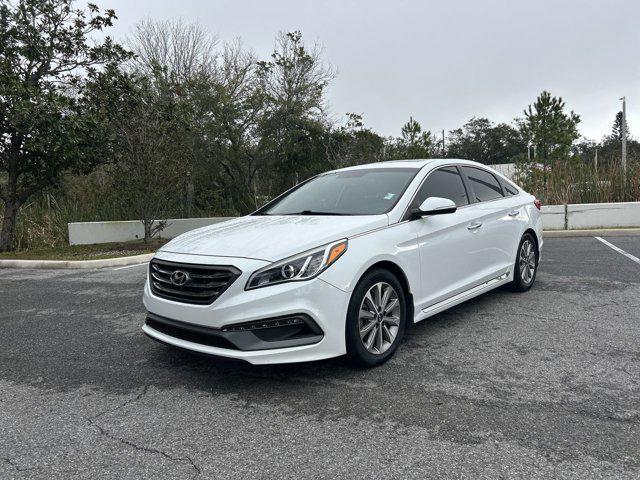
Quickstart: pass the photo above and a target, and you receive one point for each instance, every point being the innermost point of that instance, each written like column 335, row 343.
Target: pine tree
column 549, row 128
column 616, row 130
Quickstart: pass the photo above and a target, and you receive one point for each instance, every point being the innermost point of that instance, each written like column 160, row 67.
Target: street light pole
column 624, row 136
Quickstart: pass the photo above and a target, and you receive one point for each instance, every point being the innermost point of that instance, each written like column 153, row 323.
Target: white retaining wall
column 597, row 215
column 83, row 233
column 554, row 217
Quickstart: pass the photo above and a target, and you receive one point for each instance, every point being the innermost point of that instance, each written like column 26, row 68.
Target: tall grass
column 574, row 181
column 42, row 222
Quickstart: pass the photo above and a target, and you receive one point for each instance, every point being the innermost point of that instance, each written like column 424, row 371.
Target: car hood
column 271, row 238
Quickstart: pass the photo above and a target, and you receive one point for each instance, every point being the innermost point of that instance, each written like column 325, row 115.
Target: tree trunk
column 7, row 234
column 148, row 225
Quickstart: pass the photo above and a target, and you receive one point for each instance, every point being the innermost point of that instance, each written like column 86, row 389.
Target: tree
column 183, row 56
column 181, row 50
column 294, row 123
column 616, row 129
column 354, row 144
column 151, row 131
column 609, row 150
column 481, row 140
column 230, row 106
column 413, row 143
column 46, row 61
column 549, row 128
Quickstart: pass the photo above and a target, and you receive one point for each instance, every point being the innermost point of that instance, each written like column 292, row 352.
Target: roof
column 417, row 163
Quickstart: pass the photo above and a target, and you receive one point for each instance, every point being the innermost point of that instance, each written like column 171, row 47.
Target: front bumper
column 316, row 299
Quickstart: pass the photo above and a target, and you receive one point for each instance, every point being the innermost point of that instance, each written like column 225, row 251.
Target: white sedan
column 344, row 262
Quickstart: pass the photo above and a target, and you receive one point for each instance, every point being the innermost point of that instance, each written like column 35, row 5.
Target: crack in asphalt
column 104, row 432
column 17, row 466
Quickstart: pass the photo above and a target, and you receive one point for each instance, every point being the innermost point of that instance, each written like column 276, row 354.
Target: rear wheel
column 376, row 318
column 526, row 266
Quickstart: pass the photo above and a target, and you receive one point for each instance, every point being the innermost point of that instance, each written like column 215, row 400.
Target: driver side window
column 444, row 182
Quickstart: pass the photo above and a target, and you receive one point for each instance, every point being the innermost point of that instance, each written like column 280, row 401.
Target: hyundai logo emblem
column 179, row 277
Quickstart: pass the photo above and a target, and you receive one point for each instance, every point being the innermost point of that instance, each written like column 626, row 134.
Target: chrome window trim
column 498, row 176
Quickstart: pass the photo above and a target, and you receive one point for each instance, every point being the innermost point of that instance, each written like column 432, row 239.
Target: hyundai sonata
column 344, row 262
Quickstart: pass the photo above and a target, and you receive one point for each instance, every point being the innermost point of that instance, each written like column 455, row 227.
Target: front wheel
column 526, row 266
column 376, row 318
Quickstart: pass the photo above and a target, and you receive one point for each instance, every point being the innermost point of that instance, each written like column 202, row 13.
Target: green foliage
column 292, row 126
column 152, row 139
column 549, row 128
column 48, row 124
column 616, row 129
column 483, row 141
column 413, row 143
column 353, row 144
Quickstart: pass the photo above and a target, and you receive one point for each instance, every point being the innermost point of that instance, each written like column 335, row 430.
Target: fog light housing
column 288, row 327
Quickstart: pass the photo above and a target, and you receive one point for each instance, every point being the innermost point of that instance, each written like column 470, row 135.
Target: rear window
column 485, row 185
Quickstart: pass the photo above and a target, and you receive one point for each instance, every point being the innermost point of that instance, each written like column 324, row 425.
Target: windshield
column 352, row 192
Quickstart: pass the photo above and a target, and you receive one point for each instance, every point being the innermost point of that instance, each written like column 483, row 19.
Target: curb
column 59, row 264
column 610, row 232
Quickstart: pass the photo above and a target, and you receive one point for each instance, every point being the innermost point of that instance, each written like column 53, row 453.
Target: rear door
column 495, row 222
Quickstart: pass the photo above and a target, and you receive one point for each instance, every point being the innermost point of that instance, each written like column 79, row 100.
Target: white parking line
column 131, row 266
column 619, row 250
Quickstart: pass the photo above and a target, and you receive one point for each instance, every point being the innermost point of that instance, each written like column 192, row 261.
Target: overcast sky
column 443, row 62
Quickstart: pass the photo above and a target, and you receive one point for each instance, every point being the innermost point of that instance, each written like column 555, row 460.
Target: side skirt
column 463, row 296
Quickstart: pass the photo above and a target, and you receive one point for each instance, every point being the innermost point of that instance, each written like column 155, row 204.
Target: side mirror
column 435, row 206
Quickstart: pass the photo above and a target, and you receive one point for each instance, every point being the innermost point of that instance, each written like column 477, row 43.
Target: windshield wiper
column 312, row 212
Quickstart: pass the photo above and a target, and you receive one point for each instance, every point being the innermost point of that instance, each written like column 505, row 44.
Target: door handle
column 514, row 213
column 474, row 226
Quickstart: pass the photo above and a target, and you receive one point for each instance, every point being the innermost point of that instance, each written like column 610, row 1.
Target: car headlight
column 304, row 266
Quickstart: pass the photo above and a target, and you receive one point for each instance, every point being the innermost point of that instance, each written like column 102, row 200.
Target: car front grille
column 188, row 283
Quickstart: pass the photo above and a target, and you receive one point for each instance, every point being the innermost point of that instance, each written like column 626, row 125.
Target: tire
column 526, row 265
column 364, row 311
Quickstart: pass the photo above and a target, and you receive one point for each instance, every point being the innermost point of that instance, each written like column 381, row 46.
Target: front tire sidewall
column 355, row 349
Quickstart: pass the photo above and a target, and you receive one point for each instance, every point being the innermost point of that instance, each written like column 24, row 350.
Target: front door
column 446, row 242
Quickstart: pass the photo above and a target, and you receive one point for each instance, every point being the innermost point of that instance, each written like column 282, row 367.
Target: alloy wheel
column 379, row 318
column 527, row 261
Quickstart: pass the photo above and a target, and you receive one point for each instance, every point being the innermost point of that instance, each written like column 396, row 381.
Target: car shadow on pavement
column 219, row 369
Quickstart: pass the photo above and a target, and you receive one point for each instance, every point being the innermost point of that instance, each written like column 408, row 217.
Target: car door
column 495, row 225
column 519, row 205
column 446, row 245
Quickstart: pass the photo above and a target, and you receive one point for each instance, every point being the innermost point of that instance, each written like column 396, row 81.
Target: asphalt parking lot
column 544, row 384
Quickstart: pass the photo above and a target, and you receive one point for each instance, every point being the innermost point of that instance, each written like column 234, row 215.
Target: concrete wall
column 554, row 217
column 83, row 233
column 596, row 215
column 591, row 215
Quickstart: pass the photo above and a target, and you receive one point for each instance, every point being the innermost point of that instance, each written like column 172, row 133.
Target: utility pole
column 596, row 161
column 443, row 143
column 624, row 136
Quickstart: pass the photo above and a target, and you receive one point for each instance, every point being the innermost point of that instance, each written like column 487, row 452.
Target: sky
column 442, row 62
